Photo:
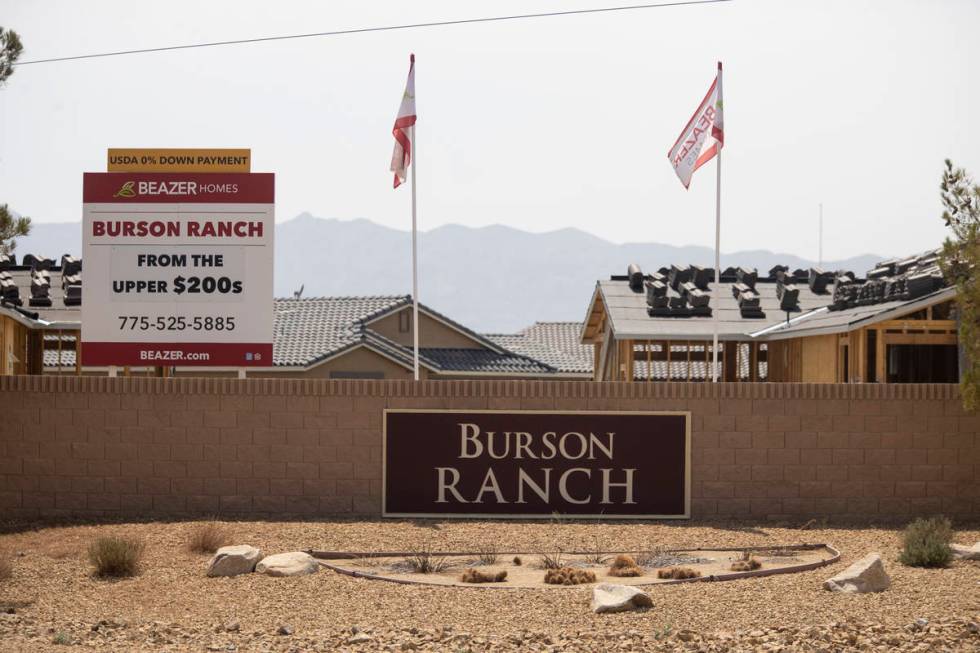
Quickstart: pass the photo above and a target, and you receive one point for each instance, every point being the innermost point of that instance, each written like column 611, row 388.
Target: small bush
column 678, row 573
column 6, row 569
column 487, row 554
column 61, row 638
column 749, row 564
column 424, row 562
column 568, row 576
column 927, row 543
column 625, row 565
column 115, row 556
column 207, row 538
column 517, row 561
column 476, row 576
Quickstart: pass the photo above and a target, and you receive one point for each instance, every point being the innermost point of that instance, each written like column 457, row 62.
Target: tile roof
column 484, row 361
column 308, row 330
column 554, row 343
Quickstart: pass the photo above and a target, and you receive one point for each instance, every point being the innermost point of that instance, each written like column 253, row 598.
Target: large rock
column 607, row 597
column 234, row 560
column 865, row 575
column 295, row 563
column 963, row 552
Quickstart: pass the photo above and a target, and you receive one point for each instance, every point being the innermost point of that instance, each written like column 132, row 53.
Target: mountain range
column 492, row 279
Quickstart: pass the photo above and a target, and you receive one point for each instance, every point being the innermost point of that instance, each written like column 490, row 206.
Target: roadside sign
column 178, row 160
column 178, row 269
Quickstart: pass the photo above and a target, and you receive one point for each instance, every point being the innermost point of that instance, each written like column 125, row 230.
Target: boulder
column 963, row 552
column 295, row 563
column 607, row 597
column 865, row 575
column 234, row 560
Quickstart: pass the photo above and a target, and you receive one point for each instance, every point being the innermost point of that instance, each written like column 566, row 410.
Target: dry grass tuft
column 649, row 557
column 115, row 557
column 6, row 569
column 207, row 538
column 678, row 573
column 423, row 561
column 625, row 565
column 568, row 576
column 746, row 564
column 476, row 576
column 487, row 554
column 550, row 560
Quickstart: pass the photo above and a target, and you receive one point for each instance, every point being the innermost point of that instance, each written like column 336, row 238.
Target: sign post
column 178, row 269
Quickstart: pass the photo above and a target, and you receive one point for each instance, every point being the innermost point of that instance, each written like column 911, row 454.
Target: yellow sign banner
column 179, row 160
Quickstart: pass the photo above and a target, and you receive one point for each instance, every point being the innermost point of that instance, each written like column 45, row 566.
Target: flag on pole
column 401, row 158
column 686, row 155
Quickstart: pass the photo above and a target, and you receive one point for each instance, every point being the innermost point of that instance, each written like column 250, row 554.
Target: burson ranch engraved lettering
column 522, row 445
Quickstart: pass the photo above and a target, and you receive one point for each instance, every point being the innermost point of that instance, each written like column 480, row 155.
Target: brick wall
column 94, row 446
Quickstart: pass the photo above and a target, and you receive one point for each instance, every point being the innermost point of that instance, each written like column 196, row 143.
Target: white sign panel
column 178, row 269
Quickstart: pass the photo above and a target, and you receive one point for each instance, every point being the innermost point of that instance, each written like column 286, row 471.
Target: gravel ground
column 172, row 606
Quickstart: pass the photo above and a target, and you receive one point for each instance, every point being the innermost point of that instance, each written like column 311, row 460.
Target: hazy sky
column 539, row 124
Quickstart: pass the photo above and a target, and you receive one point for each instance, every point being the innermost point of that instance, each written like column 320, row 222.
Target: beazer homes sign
column 452, row 463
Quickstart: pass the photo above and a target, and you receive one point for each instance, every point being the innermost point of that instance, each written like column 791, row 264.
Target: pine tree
column 960, row 262
column 11, row 227
column 10, row 49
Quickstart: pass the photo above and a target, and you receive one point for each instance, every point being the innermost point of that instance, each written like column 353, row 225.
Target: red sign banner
column 172, row 187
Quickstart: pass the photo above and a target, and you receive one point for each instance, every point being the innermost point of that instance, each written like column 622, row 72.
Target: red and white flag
column 686, row 155
column 401, row 158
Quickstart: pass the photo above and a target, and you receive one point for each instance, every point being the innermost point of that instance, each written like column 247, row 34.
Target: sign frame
column 467, row 411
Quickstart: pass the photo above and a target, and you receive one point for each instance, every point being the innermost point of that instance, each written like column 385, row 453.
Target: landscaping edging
column 351, row 555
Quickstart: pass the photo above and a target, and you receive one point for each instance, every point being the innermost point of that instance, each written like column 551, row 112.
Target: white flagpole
column 714, row 367
column 415, row 264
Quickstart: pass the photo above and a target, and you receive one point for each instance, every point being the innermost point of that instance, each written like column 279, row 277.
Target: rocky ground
column 52, row 601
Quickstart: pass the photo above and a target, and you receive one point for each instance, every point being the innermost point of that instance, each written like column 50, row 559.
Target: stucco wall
column 87, row 446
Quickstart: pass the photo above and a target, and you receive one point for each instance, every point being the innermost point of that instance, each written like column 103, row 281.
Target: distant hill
column 492, row 279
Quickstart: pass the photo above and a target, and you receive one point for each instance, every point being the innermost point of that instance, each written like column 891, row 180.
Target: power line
column 363, row 30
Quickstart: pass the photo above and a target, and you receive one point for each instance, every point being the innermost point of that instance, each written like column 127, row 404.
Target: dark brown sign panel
column 448, row 463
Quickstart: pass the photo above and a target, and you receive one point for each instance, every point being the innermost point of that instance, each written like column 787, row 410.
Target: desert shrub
column 487, row 554
column 678, row 573
column 550, row 560
column 423, row 561
column 6, row 569
column 61, row 638
column 115, row 556
column 472, row 575
column 927, row 543
column 207, row 538
column 517, row 561
column 750, row 563
column 568, row 576
column 625, row 565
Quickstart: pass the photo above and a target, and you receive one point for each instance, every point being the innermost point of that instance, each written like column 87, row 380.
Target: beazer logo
column 126, row 190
